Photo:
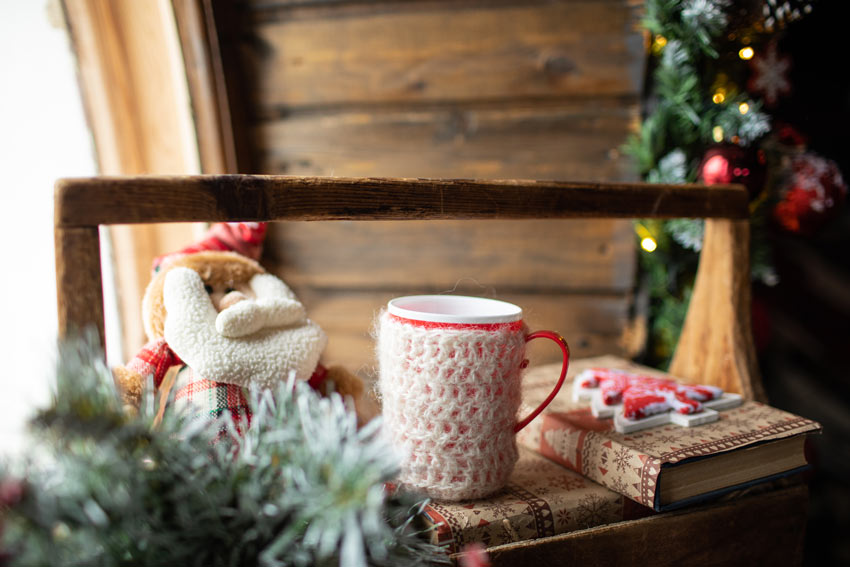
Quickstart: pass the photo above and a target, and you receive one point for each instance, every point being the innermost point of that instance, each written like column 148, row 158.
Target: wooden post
column 78, row 280
column 132, row 79
column 716, row 346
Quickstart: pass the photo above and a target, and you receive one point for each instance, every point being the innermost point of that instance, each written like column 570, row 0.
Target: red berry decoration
column 812, row 194
column 734, row 164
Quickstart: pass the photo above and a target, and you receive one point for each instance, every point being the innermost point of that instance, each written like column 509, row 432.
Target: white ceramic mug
column 449, row 377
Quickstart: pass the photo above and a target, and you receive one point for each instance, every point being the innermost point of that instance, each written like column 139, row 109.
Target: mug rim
column 457, row 309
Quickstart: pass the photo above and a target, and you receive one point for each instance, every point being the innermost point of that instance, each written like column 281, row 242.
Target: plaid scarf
column 196, row 395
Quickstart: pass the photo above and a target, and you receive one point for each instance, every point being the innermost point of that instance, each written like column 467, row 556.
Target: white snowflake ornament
column 770, row 74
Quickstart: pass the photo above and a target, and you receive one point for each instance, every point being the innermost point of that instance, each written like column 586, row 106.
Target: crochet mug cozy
column 449, row 378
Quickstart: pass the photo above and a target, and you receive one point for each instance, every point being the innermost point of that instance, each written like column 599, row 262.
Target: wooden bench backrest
column 513, row 89
column 479, row 89
column 716, row 345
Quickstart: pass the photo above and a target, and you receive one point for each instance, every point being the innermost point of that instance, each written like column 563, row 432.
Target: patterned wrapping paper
column 631, row 463
column 542, row 499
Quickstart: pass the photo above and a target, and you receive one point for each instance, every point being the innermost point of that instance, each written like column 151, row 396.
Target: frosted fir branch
column 754, row 124
column 779, row 13
column 705, row 18
column 676, row 57
column 303, row 486
column 672, row 168
column 687, row 232
column 740, row 128
column 658, row 16
column 694, row 22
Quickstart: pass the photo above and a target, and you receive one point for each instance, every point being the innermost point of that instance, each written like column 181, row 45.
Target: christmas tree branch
column 302, row 486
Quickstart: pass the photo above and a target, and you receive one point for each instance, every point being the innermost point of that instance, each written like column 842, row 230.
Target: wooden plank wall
column 455, row 89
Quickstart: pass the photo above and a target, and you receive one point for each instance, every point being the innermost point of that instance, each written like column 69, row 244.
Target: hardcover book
column 668, row 466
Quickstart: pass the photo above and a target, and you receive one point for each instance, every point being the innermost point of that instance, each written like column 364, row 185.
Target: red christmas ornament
column 812, row 194
column 734, row 164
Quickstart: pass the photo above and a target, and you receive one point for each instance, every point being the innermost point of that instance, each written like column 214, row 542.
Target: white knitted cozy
column 450, row 399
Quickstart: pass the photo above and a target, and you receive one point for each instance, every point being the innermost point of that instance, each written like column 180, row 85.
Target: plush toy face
column 232, row 322
column 220, row 272
column 224, row 296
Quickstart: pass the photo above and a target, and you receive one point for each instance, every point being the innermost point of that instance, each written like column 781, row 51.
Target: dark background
column 805, row 363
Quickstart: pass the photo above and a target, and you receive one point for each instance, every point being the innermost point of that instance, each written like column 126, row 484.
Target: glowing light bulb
column 717, row 133
column 746, row 53
column 718, row 97
column 743, row 108
column 648, row 243
column 658, row 44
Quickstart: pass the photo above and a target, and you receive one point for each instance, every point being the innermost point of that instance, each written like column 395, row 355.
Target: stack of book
column 576, row 472
column 542, row 499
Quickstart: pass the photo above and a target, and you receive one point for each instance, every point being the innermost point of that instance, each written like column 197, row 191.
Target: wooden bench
column 715, row 348
column 510, row 89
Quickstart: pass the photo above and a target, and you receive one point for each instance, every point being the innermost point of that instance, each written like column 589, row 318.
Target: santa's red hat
column 246, row 238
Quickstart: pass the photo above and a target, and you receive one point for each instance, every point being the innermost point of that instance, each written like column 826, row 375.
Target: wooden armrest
column 716, row 346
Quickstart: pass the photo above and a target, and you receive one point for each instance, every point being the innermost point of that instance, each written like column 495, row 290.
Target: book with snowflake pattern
column 542, row 499
column 667, row 466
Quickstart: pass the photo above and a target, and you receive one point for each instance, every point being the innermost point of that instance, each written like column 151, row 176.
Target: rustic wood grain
column 716, row 345
column 130, row 70
column 510, row 140
column 434, row 256
column 377, row 52
column 109, row 200
column 762, row 529
column 207, row 85
column 79, row 290
column 591, row 323
column 129, row 64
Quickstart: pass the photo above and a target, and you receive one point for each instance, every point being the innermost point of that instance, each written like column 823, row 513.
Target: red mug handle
column 565, row 348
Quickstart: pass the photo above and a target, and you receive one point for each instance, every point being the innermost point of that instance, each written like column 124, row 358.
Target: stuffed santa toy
column 218, row 323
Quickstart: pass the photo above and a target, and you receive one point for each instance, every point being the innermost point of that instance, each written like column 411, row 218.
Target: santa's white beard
column 252, row 343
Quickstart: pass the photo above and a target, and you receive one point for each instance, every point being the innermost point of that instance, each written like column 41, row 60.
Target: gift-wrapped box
column 542, row 499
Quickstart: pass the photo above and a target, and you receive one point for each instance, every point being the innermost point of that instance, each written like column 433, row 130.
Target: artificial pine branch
column 682, row 121
column 302, row 486
column 703, row 20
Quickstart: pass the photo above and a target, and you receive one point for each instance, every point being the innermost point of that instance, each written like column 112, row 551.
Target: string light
column 648, row 244
column 746, row 53
column 717, row 133
column 719, row 96
column 743, row 108
column 658, row 43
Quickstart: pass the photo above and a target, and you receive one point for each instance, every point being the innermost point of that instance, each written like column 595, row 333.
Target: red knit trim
column 511, row 326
